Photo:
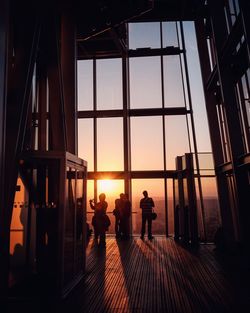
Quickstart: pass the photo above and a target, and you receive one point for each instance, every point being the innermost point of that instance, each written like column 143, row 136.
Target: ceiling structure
column 106, row 34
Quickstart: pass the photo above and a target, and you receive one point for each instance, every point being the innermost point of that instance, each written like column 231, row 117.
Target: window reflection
column 85, row 85
column 173, row 86
column 146, row 143
column 145, row 92
column 176, row 139
column 110, row 144
column 86, row 141
column 142, row 35
column 109, row 84
column 169, row 34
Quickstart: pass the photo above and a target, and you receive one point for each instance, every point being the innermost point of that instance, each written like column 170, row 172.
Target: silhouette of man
column 146, row 205
column 125, row 217
column 117, row 213
column 100, row 219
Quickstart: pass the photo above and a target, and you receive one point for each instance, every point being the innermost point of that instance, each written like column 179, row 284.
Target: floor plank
column 156, row 276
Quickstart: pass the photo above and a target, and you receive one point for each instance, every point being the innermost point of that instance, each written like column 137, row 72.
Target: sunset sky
column 146, row 132
column 145, row 92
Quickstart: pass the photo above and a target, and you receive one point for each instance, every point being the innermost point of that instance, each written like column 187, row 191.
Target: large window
column 243, row 96
column 145, row 92
column 109, row 84
column 170, row 34
column 173, row 85
column 144, row 35
column 85, row 85
column 141, row 119
column 109, row 144
column 146, row 143
column 177, row 143
column 86, row 141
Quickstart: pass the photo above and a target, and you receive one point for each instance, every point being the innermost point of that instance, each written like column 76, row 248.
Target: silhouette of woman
column 100, row 220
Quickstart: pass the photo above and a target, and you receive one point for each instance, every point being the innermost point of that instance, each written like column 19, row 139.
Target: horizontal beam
column 144, row 52
column 85, row 54
column 244, row 160
column 132, row 174
column 133, row 112
column 224, row 168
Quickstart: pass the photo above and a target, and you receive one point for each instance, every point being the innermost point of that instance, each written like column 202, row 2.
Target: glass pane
column 176, row 139
column 206, row 164
column 18, row 227
column 197, row 94
column 80, row 220
column 211, row 206
column 155, row 188
column 69, row 226
column 90, row 195
column 146, row 143
column 145, row 82
column 86, row 141
column 173, row 87
column 144, row 35
column 169, row 34
column 109, row 84
column 110, row 144
column 85, row 85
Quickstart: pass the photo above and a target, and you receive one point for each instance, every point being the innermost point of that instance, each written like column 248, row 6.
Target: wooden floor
column 159, row 276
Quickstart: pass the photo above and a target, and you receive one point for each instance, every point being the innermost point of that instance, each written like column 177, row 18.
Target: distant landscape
column 212, row 220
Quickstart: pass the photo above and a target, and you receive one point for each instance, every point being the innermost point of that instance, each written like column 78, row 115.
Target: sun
column 106, row 186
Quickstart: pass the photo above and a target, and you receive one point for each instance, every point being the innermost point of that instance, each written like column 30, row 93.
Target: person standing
column 146, row 205
column 117, row 213
column 125, row 217
column 100, row 220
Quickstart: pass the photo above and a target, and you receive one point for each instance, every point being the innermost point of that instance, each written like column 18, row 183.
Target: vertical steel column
column 68, row 63
column 126, row 124
column 42, row 106
column 180, row 234
column 4, row 229
column 226, row 79
column 192, row 201
column 126, row 131
column 95, row 125
column 16, row 75
column 56, row 96
column 245, row 15
column 210, row 102
column 193, row 132
column 164, row 136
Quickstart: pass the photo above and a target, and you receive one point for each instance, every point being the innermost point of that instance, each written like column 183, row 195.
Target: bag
column 116, row 212
column 153, row 216
column 107, row 221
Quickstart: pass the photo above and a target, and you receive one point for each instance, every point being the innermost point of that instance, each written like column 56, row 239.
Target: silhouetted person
column 146, row 205
column 125, row 217
column 117, row 213
column 100, row 219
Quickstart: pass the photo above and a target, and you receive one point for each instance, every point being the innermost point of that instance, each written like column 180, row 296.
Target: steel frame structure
column 40, row 44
